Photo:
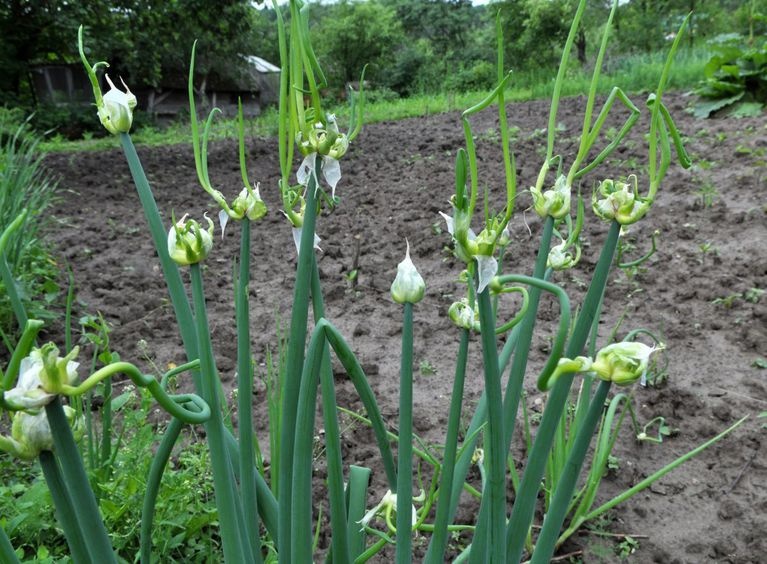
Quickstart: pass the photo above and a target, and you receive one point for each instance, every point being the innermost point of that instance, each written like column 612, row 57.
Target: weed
column 753, row 295
column 707, row 194
column 727, row 301
column 426, row 368
column 627, row 547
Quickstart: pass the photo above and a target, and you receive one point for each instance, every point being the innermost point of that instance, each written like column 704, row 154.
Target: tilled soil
column 701, row 291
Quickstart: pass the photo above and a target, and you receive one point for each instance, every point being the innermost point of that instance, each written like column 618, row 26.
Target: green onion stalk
column 407, row 289
column 64, row 508
column 83, row 501
column 294, row 365
column 438, row 542
column 404, row 492
column 245, row 366
column 236, row 545
column 325, row 334
column 524, row 505
column 5, row 271
column 494, row 438
column 7, row 553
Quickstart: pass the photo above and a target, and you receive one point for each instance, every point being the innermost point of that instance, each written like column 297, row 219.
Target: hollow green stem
column 524, row 505
column 356, row 500
column 7, row 553
column 5, row 271
column 519, row 362
column 13, row 295
column 245, row 393
column 336, row 494
column 405, row 443
column 438, row 543
column 563, row 494
column 551, row 130
column 301, row 475
column 76, row 480
column 159, row 463
column 267, row 504
column 606, row 440
column 494, row 436
column 178, row 297
column 64, row 508
column 236, row 548
column 294, row 364
column 173, row 404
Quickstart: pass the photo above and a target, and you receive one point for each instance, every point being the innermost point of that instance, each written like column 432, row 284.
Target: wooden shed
column 258, row 85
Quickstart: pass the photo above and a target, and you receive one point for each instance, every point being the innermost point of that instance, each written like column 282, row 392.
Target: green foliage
column 736, row 78
column 185, row 511
column 354, row 34
column 24, row 183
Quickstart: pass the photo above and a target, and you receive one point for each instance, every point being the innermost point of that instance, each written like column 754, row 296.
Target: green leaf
column 704, row 109
column 760, row 363
column 747, row 109
column 121, row 400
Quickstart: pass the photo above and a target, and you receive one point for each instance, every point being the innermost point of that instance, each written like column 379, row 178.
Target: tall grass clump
column 271, row 516
column 25, row 184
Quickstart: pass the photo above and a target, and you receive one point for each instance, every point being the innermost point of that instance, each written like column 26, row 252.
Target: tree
column 351, row 35
column 143, row 40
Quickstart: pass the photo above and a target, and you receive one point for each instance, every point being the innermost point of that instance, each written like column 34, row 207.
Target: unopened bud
column 408, row 286
column 31, row 433
column 116, row 109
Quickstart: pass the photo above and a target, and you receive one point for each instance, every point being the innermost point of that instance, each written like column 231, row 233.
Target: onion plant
column 270, row 517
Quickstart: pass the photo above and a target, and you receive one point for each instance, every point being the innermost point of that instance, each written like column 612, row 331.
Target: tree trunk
column 580, row 45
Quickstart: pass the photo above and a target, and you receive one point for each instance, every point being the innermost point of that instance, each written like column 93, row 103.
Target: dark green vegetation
column 411, row 47
column 736, row 77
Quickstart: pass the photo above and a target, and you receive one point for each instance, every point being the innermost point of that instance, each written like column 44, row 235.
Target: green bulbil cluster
column 620, row 201
column 188, row 242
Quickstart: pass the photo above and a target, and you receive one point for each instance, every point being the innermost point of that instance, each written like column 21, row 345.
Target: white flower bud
column 387, row 505
column 620, row 201
column 116, row 109
column 560, row 258
column 464, row 316
column 408, row 286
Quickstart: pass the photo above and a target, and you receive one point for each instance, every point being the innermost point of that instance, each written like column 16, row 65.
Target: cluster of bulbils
column 621, row 363
column 42, row 376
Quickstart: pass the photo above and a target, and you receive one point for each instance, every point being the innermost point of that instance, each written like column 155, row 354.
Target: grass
column 633, row 73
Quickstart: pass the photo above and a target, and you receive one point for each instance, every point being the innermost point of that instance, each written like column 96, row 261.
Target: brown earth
column 396, row 177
